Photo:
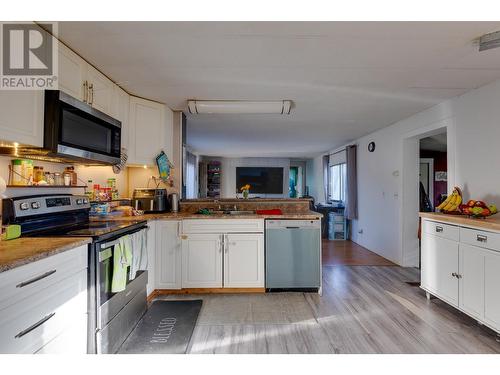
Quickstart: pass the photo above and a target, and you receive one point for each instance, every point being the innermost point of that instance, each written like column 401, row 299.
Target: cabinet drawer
column 447, row 231
column 30, row 324
column 487, row 240
column 223, row 226
column 24, row 281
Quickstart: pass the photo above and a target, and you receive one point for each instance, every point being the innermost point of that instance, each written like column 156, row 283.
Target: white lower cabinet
column 202, row 261
column 464, row 272
column 492, row 289
column 152, row 259
column 439, row 265
column 244, row 261
column 51, row 316
column 222, row 253
column 471, row 279
column 168, row 254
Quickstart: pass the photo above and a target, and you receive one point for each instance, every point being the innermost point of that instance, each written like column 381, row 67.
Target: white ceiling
column 346, row 79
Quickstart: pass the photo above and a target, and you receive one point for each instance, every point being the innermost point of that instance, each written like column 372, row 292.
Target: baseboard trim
column 160, row 292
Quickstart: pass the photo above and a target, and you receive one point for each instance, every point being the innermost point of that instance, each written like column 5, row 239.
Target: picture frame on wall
column 441, row 176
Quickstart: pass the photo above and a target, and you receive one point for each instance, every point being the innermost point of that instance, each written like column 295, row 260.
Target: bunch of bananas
column 453, row 202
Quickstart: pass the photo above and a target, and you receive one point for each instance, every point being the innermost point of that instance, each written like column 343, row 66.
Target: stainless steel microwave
column 74, row 130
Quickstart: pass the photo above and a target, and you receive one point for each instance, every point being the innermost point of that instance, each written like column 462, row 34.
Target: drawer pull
column 35, row 279
column 34, row 326
column 482, row 238
column 439, row 229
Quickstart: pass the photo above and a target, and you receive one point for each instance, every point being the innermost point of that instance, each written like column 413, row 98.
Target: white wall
column 98, row 174
column 473, row 123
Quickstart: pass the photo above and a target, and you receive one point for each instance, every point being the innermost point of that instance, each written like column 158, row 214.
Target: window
column 191, row 183
column 337, row 182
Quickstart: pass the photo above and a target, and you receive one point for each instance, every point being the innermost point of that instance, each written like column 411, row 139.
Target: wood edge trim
column 159, row 292
column 152, row 296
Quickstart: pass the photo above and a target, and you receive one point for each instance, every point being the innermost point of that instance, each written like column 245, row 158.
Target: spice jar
column 49, row 178
column 37, row 174
column 58, row 179
column 67, row 178
column 74, row 176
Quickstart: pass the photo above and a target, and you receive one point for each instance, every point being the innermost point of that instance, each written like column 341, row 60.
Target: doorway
column 433, row 172
column 438, row 135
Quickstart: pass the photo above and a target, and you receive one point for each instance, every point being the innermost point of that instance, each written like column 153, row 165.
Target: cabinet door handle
column 34, row 326
column 35, row 279
column 178, row 229
column 439, row 229
column 226, row 243
column 91, row 94
column 85, row 91
column 454, row 274
column 482, row 238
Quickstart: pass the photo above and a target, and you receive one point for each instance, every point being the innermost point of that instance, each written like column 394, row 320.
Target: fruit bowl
column 478, row 209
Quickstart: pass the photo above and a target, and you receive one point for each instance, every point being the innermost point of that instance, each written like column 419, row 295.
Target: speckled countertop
column 310, row 215
column 24, row 250
column 488, row 223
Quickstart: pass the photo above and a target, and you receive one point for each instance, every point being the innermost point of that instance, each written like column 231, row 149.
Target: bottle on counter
column 67, row 178
column 73, row 175
column 89, row 191
column 17, row 177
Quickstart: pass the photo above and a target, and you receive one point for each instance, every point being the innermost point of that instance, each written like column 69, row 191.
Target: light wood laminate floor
column 349, row 253
column 363, row 309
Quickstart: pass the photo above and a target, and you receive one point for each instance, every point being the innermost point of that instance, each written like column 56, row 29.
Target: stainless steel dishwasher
column 293, row 255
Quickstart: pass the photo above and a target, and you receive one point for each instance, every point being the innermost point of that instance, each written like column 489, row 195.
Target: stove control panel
column 44, row 204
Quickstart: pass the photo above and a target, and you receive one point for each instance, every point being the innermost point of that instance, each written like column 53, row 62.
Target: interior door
column 202, row 261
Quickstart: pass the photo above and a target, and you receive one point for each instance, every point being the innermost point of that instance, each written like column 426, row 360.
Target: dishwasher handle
column 292, row 227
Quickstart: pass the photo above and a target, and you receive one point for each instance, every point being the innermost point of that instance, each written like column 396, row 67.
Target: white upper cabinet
column 150, row 133
column 72, row 70
column 21, row 117
column 100, row 90
column 120, row 111
column 84, row 82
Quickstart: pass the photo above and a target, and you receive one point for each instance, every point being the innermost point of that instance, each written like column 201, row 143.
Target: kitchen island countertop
column 24, row 250
column 489, row 223
column 310, row 215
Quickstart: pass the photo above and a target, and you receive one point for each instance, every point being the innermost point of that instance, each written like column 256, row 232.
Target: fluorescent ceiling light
column 489, row 41
column 281, row 107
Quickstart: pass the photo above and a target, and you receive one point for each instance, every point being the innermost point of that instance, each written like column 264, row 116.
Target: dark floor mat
column 165, row 328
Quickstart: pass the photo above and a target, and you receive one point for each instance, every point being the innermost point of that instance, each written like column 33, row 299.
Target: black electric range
column 112, row 316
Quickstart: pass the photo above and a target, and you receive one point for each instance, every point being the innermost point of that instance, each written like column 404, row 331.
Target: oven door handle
column 115, row 242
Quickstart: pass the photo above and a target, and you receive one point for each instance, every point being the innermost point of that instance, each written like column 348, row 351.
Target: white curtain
column 191, row 178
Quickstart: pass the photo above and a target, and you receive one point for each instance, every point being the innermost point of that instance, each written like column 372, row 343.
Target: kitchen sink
column 232, row 212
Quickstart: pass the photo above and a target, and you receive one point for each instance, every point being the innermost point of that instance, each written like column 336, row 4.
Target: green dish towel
column 122, row 259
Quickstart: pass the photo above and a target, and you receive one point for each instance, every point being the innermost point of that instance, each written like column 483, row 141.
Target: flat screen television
column 263, row 180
